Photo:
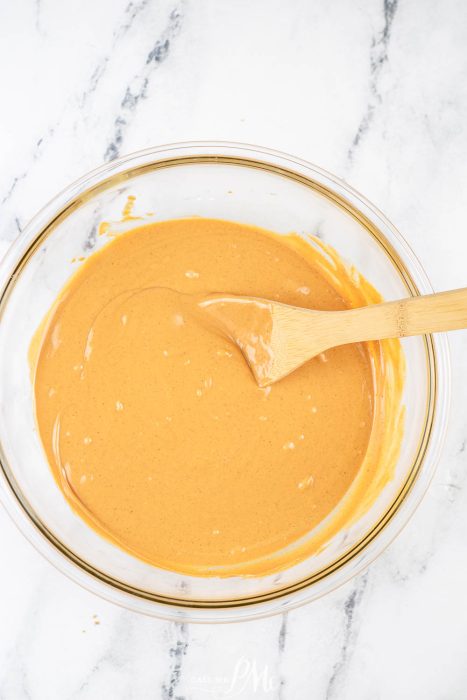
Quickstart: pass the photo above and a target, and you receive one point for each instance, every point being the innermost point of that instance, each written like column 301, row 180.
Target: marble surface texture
column 374, row 91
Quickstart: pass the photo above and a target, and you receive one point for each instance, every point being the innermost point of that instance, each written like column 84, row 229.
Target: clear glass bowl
column 241, row 183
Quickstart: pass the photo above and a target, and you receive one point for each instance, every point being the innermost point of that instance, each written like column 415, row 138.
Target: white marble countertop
column 375, row 92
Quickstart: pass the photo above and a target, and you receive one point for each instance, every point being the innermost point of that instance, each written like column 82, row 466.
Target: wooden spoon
column 276, row 338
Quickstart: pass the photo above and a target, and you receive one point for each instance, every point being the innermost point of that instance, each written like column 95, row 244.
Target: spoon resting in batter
column 276, row 338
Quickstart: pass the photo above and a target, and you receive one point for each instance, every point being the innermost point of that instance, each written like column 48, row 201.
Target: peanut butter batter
column 153, row 424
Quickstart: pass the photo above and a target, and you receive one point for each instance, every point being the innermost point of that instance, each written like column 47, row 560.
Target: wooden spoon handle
column 446, row 311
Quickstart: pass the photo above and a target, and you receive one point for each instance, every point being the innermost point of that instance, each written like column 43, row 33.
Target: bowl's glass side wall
column 245, row 194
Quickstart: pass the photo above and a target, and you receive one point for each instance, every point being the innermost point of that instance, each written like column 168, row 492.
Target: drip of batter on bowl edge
column 157, row 433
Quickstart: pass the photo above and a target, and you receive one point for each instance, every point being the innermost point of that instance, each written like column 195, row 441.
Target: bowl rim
column 412, row 492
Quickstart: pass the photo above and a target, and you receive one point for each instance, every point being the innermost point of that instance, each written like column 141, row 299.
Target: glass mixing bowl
column 245, row 184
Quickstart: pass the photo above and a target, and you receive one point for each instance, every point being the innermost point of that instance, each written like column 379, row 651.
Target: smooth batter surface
column 152, row 422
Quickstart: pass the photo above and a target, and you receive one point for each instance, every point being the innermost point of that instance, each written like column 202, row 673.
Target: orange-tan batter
column 152, row 422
